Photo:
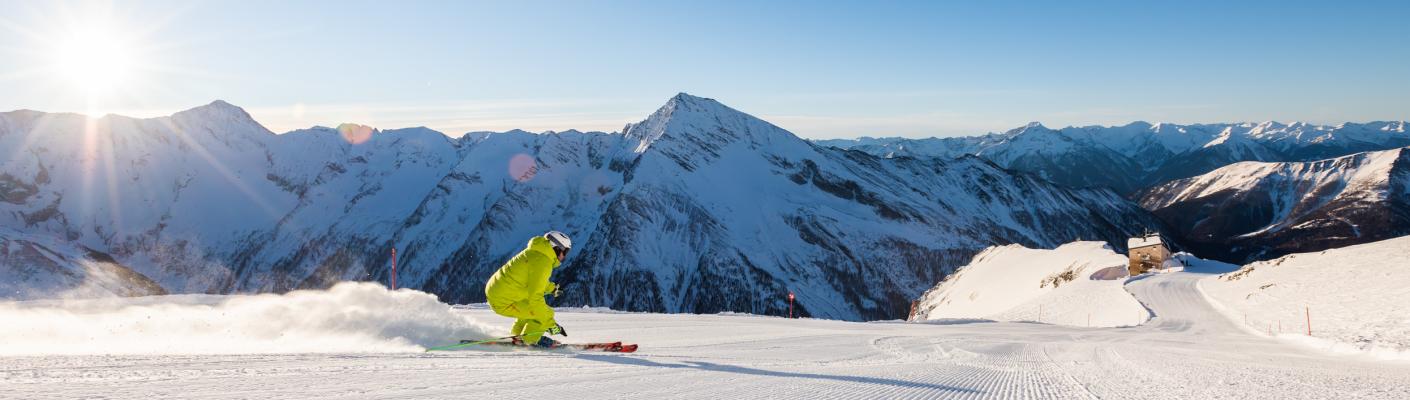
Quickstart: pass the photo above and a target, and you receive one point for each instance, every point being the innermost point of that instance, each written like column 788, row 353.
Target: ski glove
column 552, row 289
column 556, row 330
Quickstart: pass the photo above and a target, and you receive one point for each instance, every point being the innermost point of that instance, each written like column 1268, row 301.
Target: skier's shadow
column 707, row 366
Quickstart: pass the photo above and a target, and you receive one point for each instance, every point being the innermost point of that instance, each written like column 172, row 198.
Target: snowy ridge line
column 1140, row 155
column 350, row 317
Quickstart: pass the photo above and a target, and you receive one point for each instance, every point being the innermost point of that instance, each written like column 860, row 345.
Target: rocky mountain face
column 45, row 267
column 697, row 208
column 1139, row 155
column 1253, row 211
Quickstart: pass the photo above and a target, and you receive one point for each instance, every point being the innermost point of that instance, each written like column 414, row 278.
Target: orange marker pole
column 1308, row 311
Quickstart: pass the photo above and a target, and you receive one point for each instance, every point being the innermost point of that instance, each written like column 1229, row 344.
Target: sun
column 94, row 60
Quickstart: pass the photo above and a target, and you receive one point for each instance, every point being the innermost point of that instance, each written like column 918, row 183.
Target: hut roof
column 1138, row 242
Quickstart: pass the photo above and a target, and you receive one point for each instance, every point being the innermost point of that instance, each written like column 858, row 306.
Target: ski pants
column 533, row 316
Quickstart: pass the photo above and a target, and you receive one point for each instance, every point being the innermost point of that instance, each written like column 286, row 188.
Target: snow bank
column 1069, row 285
column 1358, row 298
column 349, row 317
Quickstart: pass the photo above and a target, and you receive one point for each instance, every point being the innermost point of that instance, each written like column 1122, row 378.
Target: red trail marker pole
column 394, row 268
column 1308, row 311
column 790, row 304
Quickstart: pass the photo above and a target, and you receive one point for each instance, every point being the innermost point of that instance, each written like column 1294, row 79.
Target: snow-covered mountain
column 43, row 267
column 1078, row 284
column 1141, row 155
column 1255, row 210
column 697, row 208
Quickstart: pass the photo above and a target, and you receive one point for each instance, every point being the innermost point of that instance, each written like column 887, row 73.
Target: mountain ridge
column 1257, row 210
column 1146, row 154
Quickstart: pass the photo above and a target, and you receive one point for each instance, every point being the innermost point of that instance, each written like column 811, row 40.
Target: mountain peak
column 1034, row 126
column 703, row 120
column 688, row 98
column 220, row 106
column 221, row 113
column 215, row 108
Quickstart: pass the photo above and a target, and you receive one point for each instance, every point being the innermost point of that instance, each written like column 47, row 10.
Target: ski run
column 361, row 341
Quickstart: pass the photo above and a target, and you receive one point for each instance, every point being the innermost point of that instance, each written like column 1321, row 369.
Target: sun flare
column 95, row 61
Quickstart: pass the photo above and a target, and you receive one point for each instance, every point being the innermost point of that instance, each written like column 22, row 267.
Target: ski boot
column 544, row 342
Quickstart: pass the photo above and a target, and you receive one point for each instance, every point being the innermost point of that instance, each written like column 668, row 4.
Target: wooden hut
column 1147, row 252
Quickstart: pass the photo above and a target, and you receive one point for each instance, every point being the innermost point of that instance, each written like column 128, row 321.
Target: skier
column 518, row 288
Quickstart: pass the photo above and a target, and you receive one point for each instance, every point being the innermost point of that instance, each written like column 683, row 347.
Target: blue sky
column 819, row 69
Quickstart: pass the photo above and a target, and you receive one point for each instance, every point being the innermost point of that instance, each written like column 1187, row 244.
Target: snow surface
column 1358, row 298
column 1186, row 351
column 1015, row 283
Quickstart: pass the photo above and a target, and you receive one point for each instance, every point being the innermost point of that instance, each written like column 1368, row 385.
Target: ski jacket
column 525, row 276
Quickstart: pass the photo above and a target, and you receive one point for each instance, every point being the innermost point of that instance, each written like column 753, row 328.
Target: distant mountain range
column 697, row 208
column 1140, row 155
column 1255, row 210
column 1232, row 192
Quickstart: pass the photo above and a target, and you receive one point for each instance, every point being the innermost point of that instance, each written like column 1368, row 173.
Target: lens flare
column 522, row 167
column 354, row 133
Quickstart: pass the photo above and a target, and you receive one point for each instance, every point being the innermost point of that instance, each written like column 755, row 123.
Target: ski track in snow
column 1188, row 350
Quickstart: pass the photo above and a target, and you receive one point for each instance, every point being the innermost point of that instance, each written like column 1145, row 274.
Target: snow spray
column 351, row 317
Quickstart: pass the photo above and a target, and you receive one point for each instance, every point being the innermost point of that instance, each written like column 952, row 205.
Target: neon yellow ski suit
column 517, row 289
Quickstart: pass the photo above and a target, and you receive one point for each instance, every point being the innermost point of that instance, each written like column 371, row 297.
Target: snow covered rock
column 1253, row 210
column 1078, row 284
column 1357, row 297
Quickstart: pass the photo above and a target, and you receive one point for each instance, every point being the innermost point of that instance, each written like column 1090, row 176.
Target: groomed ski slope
column 1186, row 351
column 1354, row 297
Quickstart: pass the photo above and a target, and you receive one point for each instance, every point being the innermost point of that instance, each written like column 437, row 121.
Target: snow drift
column 1070, row 285
column 349, row 317
column 1357, row 297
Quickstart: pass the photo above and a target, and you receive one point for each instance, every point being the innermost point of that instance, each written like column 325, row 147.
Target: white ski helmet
column 559, row 240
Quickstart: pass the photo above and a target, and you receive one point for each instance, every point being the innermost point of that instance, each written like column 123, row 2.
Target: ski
column 609, row 347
